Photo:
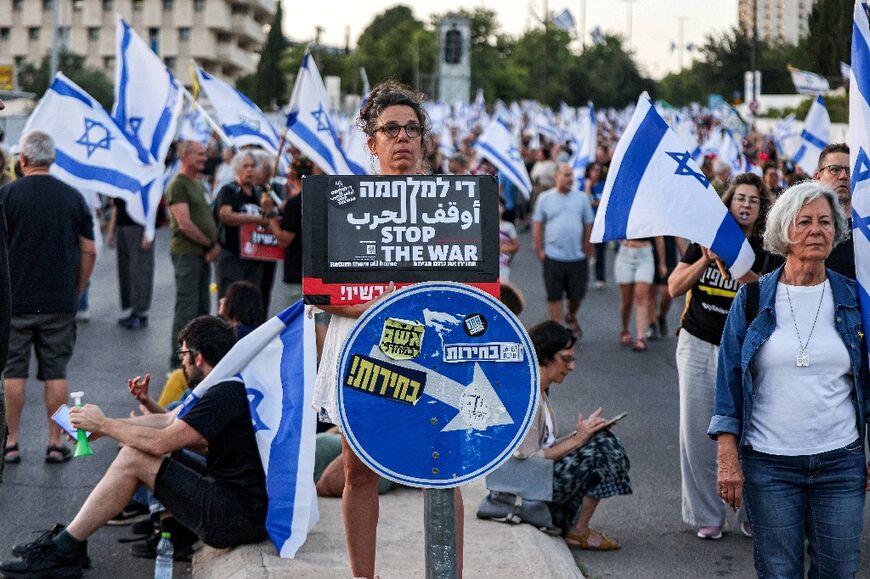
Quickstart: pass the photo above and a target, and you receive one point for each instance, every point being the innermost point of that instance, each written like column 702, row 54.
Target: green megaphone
column 83, row 447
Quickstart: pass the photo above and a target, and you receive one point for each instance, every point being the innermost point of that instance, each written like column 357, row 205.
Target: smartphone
column 615, row 419
column 61, row 418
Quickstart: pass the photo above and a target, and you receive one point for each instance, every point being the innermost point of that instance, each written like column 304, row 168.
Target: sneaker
column 22, row 549
column 651, row 333
column 710, row 533
column 600, row 285
column 134, row 322
column 746, row 529
column 132, row 513
column 183, row 540
column 144, row 527
column 44, row 560
column 83, row 316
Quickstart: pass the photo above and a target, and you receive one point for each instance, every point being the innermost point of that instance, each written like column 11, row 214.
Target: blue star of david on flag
column 255, row 397
column 96, row 136
column 322, row 119
column 862, row 167
column 135, row 123
column 514, row 154
column 683, row 167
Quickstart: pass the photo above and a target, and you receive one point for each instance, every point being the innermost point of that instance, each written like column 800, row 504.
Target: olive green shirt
column 183, row 189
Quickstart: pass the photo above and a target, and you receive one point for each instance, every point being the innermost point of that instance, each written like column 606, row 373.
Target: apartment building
column 779, row 21
column 222, row 36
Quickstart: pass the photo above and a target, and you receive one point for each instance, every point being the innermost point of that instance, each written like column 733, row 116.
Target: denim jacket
column 732, row 406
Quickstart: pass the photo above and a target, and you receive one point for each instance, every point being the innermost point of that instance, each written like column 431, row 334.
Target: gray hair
column 37, row 147
column 785, row 211
column 240, row 158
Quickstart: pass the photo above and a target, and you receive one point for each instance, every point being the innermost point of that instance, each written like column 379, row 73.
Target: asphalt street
column 655, row 542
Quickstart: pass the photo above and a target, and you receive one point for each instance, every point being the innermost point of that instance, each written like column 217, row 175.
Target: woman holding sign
column 396, row 125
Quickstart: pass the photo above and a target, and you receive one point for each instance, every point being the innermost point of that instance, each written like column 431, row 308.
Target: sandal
column 581, row 541
column 571, row 322
column 11, row 454
column 639, row 345
column 52, row 451
column 625, row 338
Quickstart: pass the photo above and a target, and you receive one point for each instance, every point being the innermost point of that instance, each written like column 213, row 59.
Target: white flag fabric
column 587, row 145
column 654, row 187
column 92, row 152
column 564, row 20
column 815, row 136
column 276, row 362
column 809, row 82
column 859, row 152
column 148, row 98
column 193, row 126
column 731, row 152
column 242, row 120
column 845, row 71
column 500, row 147
column 309, row 126
column 783, row 131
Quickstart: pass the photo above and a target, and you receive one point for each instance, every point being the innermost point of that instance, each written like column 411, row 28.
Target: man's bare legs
column 555, row 310
column 56, row 395
column 129, row 469
column 14, row 406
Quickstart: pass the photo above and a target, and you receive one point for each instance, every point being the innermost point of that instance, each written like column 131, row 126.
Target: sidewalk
column 491, row 549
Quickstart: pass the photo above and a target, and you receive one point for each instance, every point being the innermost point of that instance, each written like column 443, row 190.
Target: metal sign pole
column 439, row 516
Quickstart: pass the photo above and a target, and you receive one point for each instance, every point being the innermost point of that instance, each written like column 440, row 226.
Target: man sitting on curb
column 223, row 501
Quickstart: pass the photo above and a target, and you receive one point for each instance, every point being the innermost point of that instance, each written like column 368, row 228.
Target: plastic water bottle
column 163, row 564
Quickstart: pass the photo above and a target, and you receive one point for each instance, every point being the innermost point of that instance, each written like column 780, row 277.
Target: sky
column 655, row 23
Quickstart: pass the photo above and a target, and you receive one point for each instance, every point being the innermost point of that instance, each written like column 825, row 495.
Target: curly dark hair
column 210, row 336
column 391, row 93
column 548, row 338
column 244, row 304
column 763, row 193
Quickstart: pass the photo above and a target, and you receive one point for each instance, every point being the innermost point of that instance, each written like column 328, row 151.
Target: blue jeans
column 820, row 496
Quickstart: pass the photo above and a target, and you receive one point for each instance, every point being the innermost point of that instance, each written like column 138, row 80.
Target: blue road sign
column 438, row 384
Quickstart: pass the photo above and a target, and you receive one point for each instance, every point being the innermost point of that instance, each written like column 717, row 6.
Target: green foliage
column 396, row 45
column 35, row 77
column 528, row 55
column 838, row 109
column 268, row 88
column 828, row 39
column 607, row 75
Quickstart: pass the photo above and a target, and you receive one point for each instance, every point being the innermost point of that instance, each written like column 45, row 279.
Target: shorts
column 214, row 511
column 51, row 336
column 568, row 278
column 634, row 265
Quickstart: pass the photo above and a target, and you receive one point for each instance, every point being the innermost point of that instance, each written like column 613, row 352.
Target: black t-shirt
column 291, row 220
column 232, row 195
column 121, row 215
column 223, row 418
column 710, row 298
column 45, row 219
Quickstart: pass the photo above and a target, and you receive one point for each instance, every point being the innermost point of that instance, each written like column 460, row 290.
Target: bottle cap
column 165, row 535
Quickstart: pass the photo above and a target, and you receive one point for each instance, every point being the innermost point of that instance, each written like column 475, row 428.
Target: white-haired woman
column 789, row 412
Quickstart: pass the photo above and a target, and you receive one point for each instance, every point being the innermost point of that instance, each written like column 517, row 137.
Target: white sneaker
column 746, row 529
column 710, row 533
column 600, row 285
column 83, row 316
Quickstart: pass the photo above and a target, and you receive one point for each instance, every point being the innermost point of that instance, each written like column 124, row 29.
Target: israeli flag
column 309, row 126
column 655, row 188
column 242, row 121
column 276, row 362
column 815, row 136
column 194, row 126
column 92, row 152
column 809, row 82
column 564, row 20
column 859, row 152
column 783, row 131
column 587, row 144
column 731, row 152
column 500, row 147
column 148, row 99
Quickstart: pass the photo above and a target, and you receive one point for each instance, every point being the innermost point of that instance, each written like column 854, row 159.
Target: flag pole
column 211, row 122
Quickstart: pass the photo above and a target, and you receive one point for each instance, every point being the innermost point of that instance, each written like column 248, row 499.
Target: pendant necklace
column 803, row 355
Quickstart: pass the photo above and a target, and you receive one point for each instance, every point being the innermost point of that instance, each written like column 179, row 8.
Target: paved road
column 655, row 542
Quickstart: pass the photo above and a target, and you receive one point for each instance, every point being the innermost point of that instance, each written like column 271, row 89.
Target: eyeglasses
column 413, row 130
column 180, row 353
column 753, row 201
column 836, row 169
column 566, row 359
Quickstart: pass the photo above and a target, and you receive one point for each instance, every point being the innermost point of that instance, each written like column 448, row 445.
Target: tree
column 269, row 86
column 607, row 75
column 828, row 39
column 396, row 45
column 34, row 77
column 528, row 54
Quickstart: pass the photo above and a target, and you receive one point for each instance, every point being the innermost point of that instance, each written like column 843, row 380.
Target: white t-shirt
column 799, row 411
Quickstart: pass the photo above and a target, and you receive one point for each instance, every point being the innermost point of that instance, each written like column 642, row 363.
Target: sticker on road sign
column 471, row 409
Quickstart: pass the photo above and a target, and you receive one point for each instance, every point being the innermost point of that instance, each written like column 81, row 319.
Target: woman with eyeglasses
column 396, row 125
column 589, row 464
column 709, row 297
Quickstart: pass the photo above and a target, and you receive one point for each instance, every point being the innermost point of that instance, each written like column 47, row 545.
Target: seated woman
column 589, row 464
